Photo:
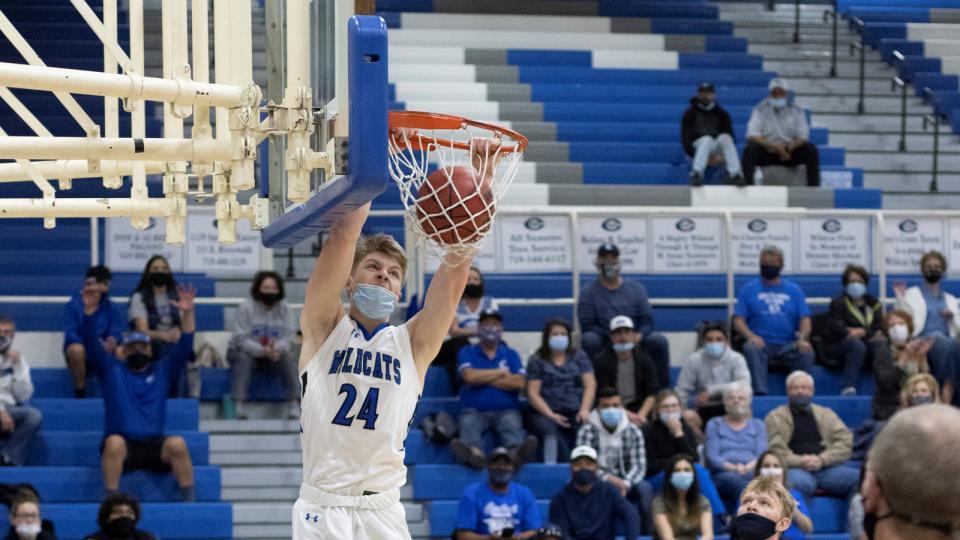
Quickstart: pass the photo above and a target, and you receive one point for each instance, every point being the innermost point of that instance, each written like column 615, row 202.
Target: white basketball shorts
column 319, row 515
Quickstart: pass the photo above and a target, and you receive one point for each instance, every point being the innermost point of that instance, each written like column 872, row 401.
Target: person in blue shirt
column 590, row 510
column 498, row 505
column 773, row 316
column 493, row 376
column 111, row 321
column 135, row 399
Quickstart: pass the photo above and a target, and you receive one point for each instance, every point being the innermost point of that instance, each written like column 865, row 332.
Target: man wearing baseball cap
column 590, row 510
column 625, row 367
column 706, row 132
column 611, row 295
column 498, row 505
column 778, row 134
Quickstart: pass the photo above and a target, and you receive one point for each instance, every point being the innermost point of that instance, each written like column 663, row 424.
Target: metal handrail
column 828, row 14
column 933, row 119
column 897, row 82
column 796, row 21
column 854, row 46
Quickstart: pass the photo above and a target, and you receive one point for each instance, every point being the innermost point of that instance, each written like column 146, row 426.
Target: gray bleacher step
column 948, row 198
column 272, row 410
column 848, row 69
column 261, row 476
column 262, row 532
column 255, row 458
column 850, row 86
column 916, row 141
column 215, row 427
column 891, row 182
column 824, row 103
column 782, row 50
column 254, row 443
column 872, row 122
column 903, row 161
column 259, row 493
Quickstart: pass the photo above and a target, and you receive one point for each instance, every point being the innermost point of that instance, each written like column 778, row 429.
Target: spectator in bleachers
column 855, row 317
column 590, row 510
column 135, row 389
column 910, row 480
column 627, row 368
column 153, row 309
column 734, row 443
column 18, row 422
column 709, row 371
column 26, row 523
column 901, row 356
column 777, row 134
column 936, row 315
column 813, row 440
column 919, row 389
column 560, row 387
column 493, row 377
column 765, row 512
column 463, row 329
column 117, row 519
column 111, row 323
column 611, row 295
column 668, row 434
column 681, row 512
column 488, row 509
column 771, row 464
column 265, row 337
column 773, row 316
column 707, row 134
column 621, row 451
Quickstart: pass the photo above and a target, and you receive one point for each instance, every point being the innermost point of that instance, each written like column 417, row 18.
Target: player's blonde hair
column 380, row 243
column 772, row 486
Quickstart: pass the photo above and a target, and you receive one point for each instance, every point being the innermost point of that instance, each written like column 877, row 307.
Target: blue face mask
column 682, row 480
column 373, row 301
column 558, row 343
column 623, row 347
column 715, row 349
column 611, row 416
column 856, row 289
column 490, row 334
column 778, row 103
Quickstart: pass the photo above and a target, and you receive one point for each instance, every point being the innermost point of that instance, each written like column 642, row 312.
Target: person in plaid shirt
column 621, row 451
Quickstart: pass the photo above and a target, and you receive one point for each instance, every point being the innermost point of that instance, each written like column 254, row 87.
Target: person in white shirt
column 18, row 423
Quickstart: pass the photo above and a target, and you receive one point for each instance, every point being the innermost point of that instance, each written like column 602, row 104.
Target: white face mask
column 898, row 334
column 28, row 530
column 778, row 103
column 775, row 472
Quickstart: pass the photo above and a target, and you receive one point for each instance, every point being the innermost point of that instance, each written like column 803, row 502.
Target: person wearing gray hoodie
column 621, row 451
column 264, row 335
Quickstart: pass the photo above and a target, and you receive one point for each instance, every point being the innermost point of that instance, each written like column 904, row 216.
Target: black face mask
column 770, row 271
column 932, row 276
column 269, row 298
column 584, row 477
column 159, row 279
column 499, row 478
column 752, row 527
column 473, row 291
column 122, row 527
column 138, row 361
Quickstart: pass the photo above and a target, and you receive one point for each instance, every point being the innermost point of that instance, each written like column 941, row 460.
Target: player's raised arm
column 321, row 304
column 430, row 325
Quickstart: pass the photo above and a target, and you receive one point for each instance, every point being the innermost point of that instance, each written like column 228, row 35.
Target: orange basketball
column 453, row 207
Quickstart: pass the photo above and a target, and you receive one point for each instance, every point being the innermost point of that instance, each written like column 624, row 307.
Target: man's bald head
column 915, row 462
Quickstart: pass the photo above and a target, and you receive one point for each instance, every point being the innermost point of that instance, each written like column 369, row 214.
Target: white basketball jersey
column 359, row 397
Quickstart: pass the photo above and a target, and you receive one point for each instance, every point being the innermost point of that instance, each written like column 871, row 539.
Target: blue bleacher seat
column 82, row 448
column 87, row 414
column 208, row 520
column 83, row 484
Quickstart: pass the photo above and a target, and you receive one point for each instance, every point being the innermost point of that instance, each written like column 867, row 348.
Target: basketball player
column 361, row 380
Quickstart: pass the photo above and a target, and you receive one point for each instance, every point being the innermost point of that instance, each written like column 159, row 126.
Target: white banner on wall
column 906, row 239
column 687, row 245
column 828, row 245
column 628, row 233
column 751, row 234
column 535, row 244
column 953, row 253
column 127, row 249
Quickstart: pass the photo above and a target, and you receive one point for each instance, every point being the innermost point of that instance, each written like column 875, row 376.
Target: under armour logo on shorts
column 315, row 517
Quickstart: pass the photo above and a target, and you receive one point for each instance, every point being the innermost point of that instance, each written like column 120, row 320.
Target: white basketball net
column 451, row 224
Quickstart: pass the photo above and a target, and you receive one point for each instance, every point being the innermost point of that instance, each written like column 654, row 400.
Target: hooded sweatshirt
column 621, row 452
column 254, row 325
column 699, row 121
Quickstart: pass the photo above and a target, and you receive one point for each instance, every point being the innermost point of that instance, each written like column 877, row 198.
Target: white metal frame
column 227, row 152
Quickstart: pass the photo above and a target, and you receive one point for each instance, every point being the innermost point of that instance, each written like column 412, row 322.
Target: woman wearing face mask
column 560, row 387
column 854, row 318
column 681, row 512
column 25, row 521
column 919, row 389
column 117, row 518
column 734, row 442
column 936, row 315
column 894, row 362
column 150, row 309
column 264, row 336
column 463, row 329
column 668, row 434
column 770, row 464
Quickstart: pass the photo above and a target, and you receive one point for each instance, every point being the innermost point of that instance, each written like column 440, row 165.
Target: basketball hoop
column 452, row 173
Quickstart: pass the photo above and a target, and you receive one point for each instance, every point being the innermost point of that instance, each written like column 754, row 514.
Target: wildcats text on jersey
column 368, row 363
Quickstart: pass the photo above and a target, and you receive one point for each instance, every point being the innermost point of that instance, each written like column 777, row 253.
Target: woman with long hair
column 560, row 387
column 151, row 310
column 681, row 512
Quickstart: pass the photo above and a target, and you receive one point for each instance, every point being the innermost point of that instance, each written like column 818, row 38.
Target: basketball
column 453, row 207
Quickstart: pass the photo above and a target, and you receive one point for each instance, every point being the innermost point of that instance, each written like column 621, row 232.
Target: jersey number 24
column 368, row 410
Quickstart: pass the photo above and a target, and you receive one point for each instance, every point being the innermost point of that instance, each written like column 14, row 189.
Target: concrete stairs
column 871, row 139
column 261, row 470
